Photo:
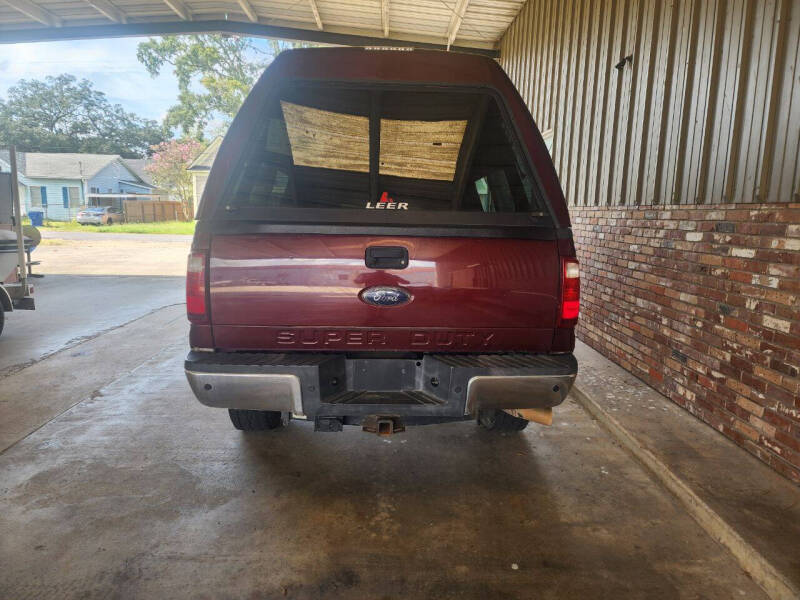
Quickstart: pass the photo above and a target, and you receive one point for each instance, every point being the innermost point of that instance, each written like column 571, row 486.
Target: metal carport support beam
column 315, row 10
column 35, row 12
column 456, row 20
column 180, row 9
column 108, row 10
column 385, row 17
column 47, row 34
column 249, row 10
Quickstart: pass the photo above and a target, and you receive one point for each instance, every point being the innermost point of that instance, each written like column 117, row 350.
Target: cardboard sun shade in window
column 413, row 149
column 327, row 140
column 421, row 149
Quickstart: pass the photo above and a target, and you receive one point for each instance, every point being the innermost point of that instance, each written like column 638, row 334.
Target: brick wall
column 703, row 304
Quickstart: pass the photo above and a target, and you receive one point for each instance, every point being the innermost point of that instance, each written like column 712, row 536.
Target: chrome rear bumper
column 331, row 385
column 516, row 391
column 255, row 391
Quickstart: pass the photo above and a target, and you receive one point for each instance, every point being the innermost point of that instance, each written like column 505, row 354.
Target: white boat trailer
column 15, row 291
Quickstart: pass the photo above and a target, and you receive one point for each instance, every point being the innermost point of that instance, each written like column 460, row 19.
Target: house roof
column 137, row 165
column 207, row 156
column 136, row 183
column 52, row 165
column 71, row 165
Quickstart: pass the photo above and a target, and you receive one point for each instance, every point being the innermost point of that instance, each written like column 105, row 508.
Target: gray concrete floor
column 71, row 308
column 116, row 483
column 89, row 235
column 137, row 491
column 761, row 506
column 92, row 283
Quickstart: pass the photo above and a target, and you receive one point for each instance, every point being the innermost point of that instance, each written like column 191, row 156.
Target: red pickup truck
column 382, row 241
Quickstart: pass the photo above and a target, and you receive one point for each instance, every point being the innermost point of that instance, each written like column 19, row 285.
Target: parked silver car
column 100, row 215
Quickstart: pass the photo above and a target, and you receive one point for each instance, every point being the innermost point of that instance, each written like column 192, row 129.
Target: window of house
column 200, row 184
column 70, row 196
column 38, row 196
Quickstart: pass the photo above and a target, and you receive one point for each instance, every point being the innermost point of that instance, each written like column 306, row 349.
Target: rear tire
column 255, row 420
column 498, row 420
column 2, row 318
column 110, row 221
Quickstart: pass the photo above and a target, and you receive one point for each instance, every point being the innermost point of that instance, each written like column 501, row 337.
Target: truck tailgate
column 301, row 292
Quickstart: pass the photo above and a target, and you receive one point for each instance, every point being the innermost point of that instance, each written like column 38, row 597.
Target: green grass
column 168, row 227
column 173, row 227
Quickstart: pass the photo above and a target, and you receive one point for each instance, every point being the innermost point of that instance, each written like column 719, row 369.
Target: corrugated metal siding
column 705, row 110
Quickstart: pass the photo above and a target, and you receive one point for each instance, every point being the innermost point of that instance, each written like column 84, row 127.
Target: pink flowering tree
column 168, row 168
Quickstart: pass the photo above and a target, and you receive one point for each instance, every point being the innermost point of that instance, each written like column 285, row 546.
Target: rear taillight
column 196, row 288
column 570, row 292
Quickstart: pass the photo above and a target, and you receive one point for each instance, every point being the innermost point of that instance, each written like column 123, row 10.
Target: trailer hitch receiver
column 382, row 425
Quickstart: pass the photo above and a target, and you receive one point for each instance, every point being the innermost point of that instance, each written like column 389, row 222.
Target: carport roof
column 475, row 25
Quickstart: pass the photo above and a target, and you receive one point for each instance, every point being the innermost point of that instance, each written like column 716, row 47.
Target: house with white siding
column 61, row 184
column 200, row 168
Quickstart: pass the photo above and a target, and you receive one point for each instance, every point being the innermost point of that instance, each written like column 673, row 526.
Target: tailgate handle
column 386, row 257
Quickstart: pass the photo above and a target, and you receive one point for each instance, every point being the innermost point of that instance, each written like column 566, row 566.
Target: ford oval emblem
column 385, row 296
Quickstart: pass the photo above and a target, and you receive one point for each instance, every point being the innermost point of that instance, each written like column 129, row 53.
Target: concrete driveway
column 92, row 283
column 115, row 482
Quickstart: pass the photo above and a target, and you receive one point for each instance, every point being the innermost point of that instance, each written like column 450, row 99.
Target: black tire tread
column 255, row 420
column 498, row 420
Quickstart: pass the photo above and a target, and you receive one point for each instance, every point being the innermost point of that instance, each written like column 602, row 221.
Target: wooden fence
column 142, row 211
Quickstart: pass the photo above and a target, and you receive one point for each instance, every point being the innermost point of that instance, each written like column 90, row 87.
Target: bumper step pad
column 333, row 385
column 388, row 398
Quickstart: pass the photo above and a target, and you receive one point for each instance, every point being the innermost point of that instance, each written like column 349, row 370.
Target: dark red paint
column 466, row 286
column 288, row 292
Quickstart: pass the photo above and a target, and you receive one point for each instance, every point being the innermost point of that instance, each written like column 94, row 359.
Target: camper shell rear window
column 384, row 154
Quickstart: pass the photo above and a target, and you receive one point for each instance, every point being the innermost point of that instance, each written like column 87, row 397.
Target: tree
column 220, row 64
column 168, row 168
column 62, row 114
column 225, row 67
